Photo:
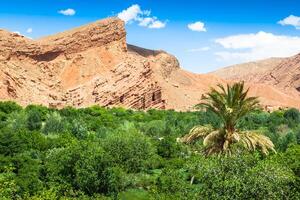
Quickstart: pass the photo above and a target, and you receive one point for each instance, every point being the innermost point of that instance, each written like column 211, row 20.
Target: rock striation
column 93, row 65
column 85, row 66
column 286, row 75
column 283, row 74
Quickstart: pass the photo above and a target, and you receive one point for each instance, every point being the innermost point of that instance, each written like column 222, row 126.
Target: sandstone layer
column 251, row 71
column 93, row 65
column 280, row 73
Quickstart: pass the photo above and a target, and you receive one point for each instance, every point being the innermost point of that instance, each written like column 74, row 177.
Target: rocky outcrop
column 285, row 75
column 93, row 65
column 98, row 34
column 251, row 71
column 85, row 66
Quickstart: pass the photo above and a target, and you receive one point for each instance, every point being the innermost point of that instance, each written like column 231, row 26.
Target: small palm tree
column 230, row 105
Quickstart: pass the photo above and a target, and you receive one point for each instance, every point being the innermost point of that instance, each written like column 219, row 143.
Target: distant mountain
column 280, row 73
column 248, row 71
column 93, row 64
column 286, row 75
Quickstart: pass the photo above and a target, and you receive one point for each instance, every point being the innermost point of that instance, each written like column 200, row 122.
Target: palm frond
column 253, row 140
column 212, row 138
column 196, row 133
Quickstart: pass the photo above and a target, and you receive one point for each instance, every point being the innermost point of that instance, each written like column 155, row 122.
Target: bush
column 102, row 153
column 128, row 148
column 79, row 129
column 292, row 114
column 54, row 124
column 167, row 147
column 8, row 107
column 34, row 120
column 269, row 180
column 8, row 186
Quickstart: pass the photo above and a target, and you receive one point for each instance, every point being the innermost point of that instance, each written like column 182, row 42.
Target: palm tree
column 230, row 105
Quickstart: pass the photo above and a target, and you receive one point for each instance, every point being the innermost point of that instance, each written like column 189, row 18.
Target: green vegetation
column 100, row 153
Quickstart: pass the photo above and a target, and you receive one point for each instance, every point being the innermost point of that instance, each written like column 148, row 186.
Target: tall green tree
column 230, row 104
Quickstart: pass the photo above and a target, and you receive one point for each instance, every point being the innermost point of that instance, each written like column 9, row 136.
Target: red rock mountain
column 93, row 65
column 280, row 73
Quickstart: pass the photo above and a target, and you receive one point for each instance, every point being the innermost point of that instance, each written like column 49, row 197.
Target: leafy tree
column 168, row 147
column 8, row 107
column 79, row 129
column 230, row 105
column 54, row 124
column 103, row 153
column 128, row 148
column 8, row 186
column 292, row 114
column 34, row 120
column 11, row 142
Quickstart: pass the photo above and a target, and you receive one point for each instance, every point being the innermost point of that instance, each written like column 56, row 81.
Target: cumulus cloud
column 255, row 46
column 291, row 20
column 29, row 30
column 67, row 12
column 146, row 21
column 157, row 24
column 199, row 49
column 143, row 17
column 130, row 13
column 197, row 26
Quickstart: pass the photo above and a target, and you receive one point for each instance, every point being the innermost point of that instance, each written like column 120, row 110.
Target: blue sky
column 203, row 34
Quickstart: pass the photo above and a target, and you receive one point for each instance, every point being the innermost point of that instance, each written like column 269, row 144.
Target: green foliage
column 8, row 107
column 53, row 124
column 136, row 194
column 168, row 148
column 292, row 115
column 79, row 129
column 101, row 153
column 8, row 186
column 34, row 120
column 269, row 180
column 128, row 148
column 242, row 177
column 10, row 142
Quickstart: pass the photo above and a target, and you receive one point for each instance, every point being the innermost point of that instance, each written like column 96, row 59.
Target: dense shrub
column 128, row 148
column 53, row 124
column 34, row 120
column 102, row 153
column 8, row 107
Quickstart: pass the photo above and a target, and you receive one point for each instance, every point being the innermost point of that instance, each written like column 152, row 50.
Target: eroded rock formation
column 93, row 65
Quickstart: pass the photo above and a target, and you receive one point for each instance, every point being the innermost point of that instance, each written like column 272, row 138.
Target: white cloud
column 255, row 46
column 135, row 14
column 199, row 49
column 157, row 24
column 29, row 30
column 197, row 26
column 146, row 21
column 130, row 13
column 67, row 12
column 291, row 20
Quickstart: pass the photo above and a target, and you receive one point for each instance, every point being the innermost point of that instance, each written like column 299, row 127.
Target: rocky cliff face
column 286, row 75
column 251, row 71
column 85, row 66
column 93, row 65
column 280, row 73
